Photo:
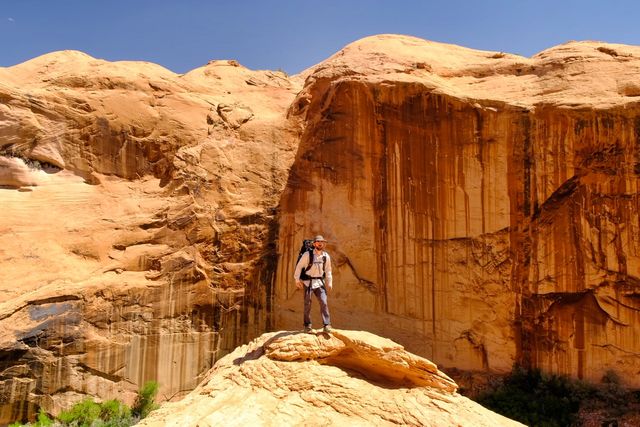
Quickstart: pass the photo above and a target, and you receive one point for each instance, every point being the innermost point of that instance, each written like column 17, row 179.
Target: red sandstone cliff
column 481, row 209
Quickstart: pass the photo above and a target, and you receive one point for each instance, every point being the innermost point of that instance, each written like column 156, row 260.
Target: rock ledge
column 342, row 378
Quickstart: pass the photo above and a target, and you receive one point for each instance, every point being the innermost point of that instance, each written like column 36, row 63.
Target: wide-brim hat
column 319, row 238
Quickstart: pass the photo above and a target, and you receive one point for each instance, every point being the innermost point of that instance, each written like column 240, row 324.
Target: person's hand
column 329, row 286
column 299, row 284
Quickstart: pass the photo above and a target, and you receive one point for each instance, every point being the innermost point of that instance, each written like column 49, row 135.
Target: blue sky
column 293, row 35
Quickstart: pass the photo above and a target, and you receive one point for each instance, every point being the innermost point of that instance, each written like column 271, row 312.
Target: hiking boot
column 326, row 329
column 307, row 329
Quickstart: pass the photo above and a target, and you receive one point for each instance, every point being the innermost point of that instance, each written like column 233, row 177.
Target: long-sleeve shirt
column 316, row 269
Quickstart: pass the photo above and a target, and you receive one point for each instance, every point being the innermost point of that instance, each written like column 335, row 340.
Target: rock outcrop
column 137, row 223
column 346, row 378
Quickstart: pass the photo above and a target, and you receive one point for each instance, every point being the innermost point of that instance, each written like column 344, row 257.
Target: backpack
column 307, row 246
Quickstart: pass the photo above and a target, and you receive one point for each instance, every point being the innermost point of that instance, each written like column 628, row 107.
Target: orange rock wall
column 579, row 248
column 137, row 224
column 477, row 234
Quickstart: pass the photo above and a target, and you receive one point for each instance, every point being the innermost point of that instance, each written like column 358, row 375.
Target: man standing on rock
column 313, row 274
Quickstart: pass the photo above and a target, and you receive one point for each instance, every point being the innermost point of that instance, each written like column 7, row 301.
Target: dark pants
column 321, row 294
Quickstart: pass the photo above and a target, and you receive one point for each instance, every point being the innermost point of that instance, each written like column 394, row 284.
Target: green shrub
column 81, row 414
column 115, row 414
column 114, row 409
column 538, row 399
column 111, row 413
column 610, row 397
column 144, row 403
column 43, row 419
column 87, row 413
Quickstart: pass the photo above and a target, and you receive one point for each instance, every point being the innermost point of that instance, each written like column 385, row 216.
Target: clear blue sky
column 293, row 35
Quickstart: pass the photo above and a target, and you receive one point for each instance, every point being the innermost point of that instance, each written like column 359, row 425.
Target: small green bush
column 114, row 408
column 115, row 414
column 111, row 413
column 81, row 414
column 88, row 413
column 43, row 419
column 144, row 403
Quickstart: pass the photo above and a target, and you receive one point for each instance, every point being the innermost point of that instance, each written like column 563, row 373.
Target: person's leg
column 321, row 294
column 307, row 306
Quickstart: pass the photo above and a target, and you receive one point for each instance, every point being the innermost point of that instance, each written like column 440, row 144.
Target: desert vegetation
column 111, row 413
column 539, row 399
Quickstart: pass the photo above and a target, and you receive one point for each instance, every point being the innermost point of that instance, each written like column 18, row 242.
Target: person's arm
column 327, row 273
column 304, row 261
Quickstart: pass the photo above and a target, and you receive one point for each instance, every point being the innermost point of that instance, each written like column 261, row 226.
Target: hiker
column 313, row 274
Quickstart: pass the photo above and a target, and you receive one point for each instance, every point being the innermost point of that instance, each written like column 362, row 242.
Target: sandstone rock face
column 481, row 207
column 137, row 223
column 346, row 378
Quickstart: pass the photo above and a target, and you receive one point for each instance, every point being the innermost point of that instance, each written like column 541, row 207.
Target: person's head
column 319, row 242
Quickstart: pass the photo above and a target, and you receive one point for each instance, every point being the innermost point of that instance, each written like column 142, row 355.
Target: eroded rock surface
column 482, row 210
column 346, row 378
column 481, row 207
column 137, row 219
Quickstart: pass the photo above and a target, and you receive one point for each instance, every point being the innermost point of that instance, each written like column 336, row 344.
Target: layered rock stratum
column 138, row 218
column 482, row 206
column 481, row 210
column 346, row 378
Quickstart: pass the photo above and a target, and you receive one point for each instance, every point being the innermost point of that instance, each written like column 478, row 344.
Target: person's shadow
column 258, row 352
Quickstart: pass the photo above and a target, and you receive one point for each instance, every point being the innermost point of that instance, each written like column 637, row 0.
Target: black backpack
column 307, row 246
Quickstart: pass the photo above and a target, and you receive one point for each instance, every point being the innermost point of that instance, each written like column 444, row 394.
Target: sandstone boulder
column 346, row 378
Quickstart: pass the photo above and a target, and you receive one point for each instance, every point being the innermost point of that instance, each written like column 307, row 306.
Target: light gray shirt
column 316, row 269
